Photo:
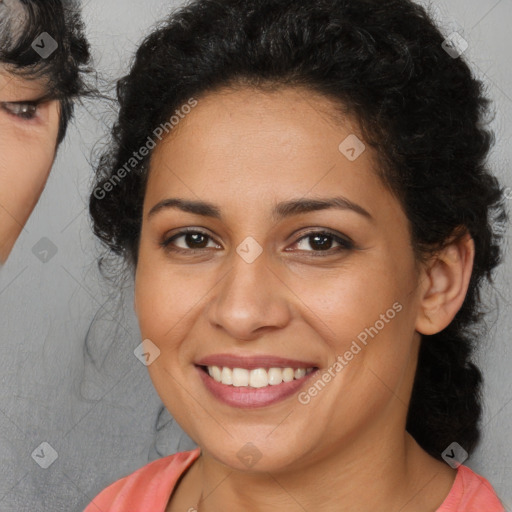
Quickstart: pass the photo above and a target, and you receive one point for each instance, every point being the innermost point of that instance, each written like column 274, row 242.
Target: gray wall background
column 93, row 402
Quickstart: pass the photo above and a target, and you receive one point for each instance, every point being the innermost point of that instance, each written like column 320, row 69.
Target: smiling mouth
column 257, row 377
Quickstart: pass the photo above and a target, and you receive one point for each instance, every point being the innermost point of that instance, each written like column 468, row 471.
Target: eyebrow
column 280, row 211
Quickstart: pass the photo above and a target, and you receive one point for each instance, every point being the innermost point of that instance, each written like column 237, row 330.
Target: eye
column 322, row 241
column 194, row 240
column 23, row 110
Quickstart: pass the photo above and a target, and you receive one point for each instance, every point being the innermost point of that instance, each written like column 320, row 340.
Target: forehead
column 245, row 117
column 14, row 87
column 298, row 103
column 242, row 145
column 290, row 128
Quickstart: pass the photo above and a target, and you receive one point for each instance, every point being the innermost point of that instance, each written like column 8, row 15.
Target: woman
column 42, row 54
column 301, row 193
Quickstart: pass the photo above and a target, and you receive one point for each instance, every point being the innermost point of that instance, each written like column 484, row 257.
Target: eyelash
column 21, row 105
column 344, row 244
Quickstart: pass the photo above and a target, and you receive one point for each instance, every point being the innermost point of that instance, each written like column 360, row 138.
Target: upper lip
column 252, row 362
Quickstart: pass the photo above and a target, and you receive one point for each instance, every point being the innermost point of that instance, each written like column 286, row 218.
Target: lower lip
column 246, row 397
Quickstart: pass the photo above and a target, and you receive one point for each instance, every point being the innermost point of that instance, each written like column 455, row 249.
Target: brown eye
column 195, row 240
column 321, row 241
column 192, row 240
column 25, row 111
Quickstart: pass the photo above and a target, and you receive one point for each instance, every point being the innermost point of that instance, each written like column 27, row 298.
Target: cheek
column 27, row 156
column 345, row 301
column 163, row 298
column 365, row 316
column 18, row 156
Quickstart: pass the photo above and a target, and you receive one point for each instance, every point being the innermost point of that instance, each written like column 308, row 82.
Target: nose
column 251, row 300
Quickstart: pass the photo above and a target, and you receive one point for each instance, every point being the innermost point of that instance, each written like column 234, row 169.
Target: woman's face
column 28, row 138
column 271, row 279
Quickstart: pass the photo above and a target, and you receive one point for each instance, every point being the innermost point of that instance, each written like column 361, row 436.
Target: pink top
column 149, row 488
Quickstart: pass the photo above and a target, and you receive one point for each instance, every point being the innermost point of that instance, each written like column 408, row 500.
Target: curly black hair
column 21, row 23
column 421, row 108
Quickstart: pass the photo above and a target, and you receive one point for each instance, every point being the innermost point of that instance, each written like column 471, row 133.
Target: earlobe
column 446, row 281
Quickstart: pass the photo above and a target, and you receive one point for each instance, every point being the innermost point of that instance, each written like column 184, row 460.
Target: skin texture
column 245, row 151
column 28, row 148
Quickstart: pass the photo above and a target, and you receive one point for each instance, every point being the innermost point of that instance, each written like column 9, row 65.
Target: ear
column 445, row 284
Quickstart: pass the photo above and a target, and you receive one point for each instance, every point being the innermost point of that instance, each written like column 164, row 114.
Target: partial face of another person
column 29, row 128
column 263, row 273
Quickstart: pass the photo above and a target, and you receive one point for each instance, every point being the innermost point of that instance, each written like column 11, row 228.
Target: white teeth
column 299, row 372
column 256, row 378
column 288, row 374
column 275, row 376
column 240, row 377
column 216, row 373
column 226, row 376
